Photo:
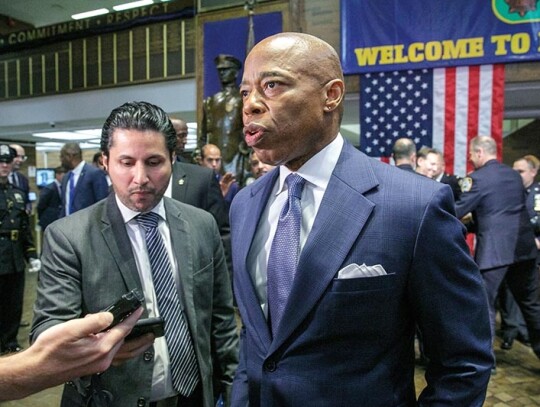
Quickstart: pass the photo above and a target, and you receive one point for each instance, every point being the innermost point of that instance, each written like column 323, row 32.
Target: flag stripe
column 439, row 116
column 462, row 126
column 474, row 102
column 449, row 109
column 497, row 112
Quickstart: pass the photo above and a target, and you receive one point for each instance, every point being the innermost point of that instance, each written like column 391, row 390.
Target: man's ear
column 335, row 91
column 105, row 162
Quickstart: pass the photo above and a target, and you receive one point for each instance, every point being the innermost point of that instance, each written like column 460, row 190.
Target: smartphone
column 122, row 308
column 149, row 325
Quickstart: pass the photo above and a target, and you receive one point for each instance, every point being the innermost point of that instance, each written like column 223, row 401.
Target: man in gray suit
column 99, row 253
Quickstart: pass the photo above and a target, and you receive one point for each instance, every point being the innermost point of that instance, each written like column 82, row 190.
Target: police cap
column 227, row 61
column 7, row 154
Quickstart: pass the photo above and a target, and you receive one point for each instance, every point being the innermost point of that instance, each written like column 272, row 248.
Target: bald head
column 292, row 90
column 211, row 157
column 309, row 54
column 481, row 150
column 19, row 158
column 181, row 130
column 404, row 152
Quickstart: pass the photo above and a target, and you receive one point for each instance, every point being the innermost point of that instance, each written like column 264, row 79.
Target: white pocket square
column 355, row 271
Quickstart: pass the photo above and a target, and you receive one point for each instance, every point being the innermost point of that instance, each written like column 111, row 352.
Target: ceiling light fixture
column 88, row 14
column 70, row 135
column 133, row 4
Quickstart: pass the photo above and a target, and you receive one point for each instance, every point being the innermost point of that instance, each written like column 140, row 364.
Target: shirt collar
column 318, row 169
column 129, row 214
column 78, row 169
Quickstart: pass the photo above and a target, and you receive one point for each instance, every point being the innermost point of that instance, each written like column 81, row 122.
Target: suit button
column 141, row 402
column 270, row 366
column 148, row 356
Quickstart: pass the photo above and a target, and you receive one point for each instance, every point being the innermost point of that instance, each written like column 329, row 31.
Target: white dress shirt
column 161, row 379
column 317, row 172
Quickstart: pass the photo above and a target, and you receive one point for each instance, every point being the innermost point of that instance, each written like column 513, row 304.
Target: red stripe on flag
column 497, row 107
column 449, row 117
column 474, row 106
column 474, row 101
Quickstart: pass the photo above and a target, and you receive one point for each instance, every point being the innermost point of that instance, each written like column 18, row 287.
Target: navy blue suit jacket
column 91, row 188
column 197, row 186
column 350, row 342
column 496, row 200
column 49, row 205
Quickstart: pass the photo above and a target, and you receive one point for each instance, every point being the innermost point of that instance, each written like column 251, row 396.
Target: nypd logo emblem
column 465, row 184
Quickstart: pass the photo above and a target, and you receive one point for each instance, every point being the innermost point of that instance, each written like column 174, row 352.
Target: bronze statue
column 222, row 117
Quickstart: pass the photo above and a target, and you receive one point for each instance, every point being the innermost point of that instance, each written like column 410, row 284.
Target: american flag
column 442, row 108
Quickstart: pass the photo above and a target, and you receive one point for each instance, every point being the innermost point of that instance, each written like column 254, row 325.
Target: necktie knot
column 148, row 220
column 295, row 185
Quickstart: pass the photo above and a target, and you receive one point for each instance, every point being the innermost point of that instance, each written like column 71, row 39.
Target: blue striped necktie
column 184, row 368
column 285, row 251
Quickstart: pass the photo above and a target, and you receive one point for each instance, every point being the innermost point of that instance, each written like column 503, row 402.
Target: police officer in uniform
column 512, row 324
column 528, row 167
column 16, row 245
column 222, row 117
column 495, row 196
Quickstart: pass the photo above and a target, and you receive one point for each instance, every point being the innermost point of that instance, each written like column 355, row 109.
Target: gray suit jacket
column 88, row 263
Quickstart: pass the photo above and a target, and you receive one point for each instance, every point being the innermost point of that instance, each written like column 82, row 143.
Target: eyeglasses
column 22, row 157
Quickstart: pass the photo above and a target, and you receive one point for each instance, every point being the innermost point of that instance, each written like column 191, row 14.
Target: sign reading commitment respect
column 379, row 35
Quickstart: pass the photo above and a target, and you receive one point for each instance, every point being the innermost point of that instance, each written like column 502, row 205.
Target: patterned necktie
column 284, row 254
column 183, row 361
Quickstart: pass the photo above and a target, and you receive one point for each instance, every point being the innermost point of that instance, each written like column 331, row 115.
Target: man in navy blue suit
column 83, row 185
column 404, row 154
column 505, row 245
column 379, row 251
column 50, row 201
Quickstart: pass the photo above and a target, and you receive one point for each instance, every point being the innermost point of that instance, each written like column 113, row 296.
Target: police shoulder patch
column 465, row 184
column 18, row 197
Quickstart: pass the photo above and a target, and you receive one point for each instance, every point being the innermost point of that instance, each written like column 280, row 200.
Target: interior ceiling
column 522, row 100
column 40, row 13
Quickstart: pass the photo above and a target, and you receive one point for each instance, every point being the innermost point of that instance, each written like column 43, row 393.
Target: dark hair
column 138, row 116
column 96, row 157
column 424, row 151
column 59, row 170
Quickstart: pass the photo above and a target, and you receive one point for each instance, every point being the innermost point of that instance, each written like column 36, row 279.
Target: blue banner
column 230, row 37
column 389, row 35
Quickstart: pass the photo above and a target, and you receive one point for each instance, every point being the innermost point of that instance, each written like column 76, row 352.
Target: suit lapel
column 179, row 229
column 78, row 186
column 116, row 237
column 343, row 212
column 179, row 183
column 252, row 212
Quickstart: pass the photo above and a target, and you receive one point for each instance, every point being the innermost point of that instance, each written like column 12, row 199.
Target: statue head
column 227, row 61
column 228, row 67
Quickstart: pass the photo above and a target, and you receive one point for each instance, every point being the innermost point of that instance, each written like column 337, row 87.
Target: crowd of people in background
column 501, row 209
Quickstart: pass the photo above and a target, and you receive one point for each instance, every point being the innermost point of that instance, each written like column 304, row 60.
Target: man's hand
column 225, row 182
column 81, row 347
column 63, row 352
column 133, row 348
column 35, row 265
